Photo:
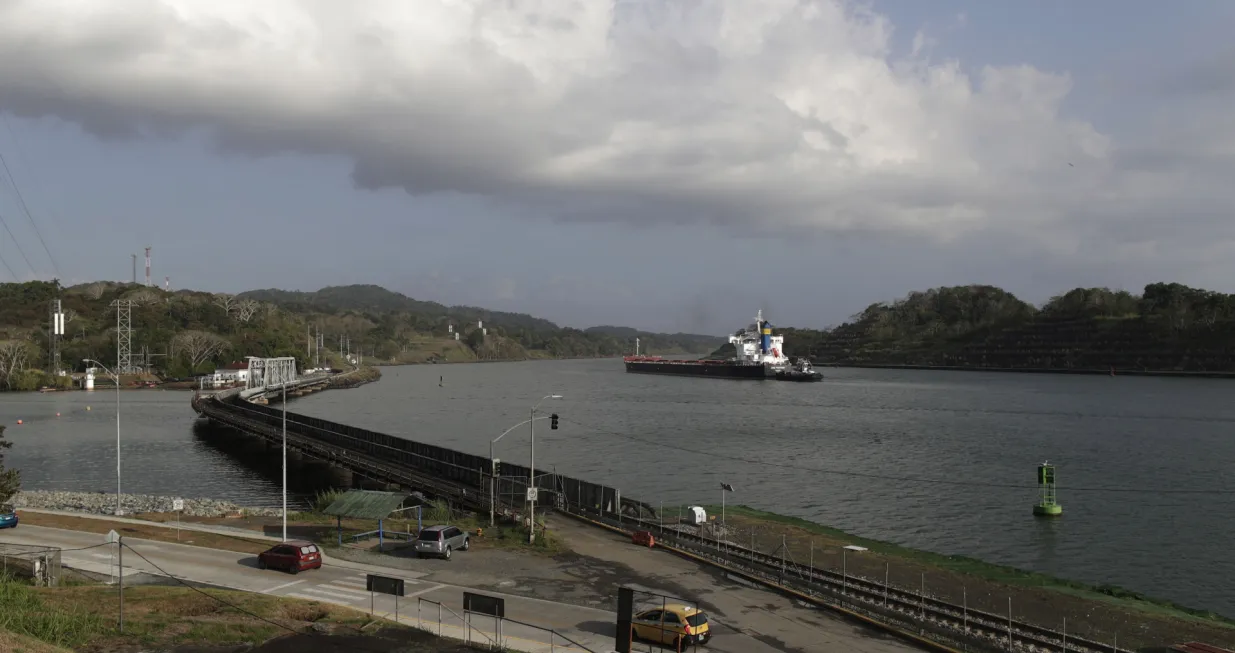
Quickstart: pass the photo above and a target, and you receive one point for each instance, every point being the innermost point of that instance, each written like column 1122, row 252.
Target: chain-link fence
column 39, row 564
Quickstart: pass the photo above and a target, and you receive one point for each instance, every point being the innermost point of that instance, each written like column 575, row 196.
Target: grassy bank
column 85, row 617
column 1099, row 612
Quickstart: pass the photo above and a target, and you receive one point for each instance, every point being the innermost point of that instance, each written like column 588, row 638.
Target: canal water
column 1146, row 466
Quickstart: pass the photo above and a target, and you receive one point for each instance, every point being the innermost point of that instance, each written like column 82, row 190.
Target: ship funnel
column 765, row 340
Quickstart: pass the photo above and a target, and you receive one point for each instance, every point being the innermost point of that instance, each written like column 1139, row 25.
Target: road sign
column 479, row 603
column 177, row 504
column 384, row 585
column 112, row 537
column 531, row 493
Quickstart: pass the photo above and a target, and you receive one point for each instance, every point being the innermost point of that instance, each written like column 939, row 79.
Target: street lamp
column 284, row 459
column 115, row 377
column 531, row 472
column 493, row 468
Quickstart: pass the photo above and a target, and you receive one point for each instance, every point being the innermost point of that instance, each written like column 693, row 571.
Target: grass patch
column 141, row 531
column 79, row 618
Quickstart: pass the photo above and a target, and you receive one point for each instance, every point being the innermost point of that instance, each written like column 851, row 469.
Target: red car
column 291, row 556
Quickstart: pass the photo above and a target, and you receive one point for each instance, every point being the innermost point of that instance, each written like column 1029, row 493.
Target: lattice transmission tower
column 124, row 335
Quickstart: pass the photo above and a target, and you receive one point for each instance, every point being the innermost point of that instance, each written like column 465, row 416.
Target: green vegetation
column 10, row 479
column 1169, row 327
column 159, row 618
column 187, row 332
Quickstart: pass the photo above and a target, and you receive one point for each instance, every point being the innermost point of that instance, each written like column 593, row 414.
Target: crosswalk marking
column 353, row 583
column 343, row 590
column 310, row 597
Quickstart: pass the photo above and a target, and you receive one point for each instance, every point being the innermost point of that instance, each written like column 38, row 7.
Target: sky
column 672, row 166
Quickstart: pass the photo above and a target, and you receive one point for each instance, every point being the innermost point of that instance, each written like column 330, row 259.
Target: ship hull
column 709, row 370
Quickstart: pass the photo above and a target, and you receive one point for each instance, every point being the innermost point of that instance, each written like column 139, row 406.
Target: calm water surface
column 675, row 439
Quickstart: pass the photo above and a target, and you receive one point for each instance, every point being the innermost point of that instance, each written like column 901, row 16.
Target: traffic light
column 497, row 467
column 553, row 421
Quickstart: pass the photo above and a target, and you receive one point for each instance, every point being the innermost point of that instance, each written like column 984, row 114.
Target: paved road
column 745, row 619
column 340, row 584
column 771, row 622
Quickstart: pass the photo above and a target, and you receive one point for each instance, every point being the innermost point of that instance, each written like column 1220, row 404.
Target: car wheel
column 447, row 553
column 294, row 569
column 467, row 544
column 261, row 564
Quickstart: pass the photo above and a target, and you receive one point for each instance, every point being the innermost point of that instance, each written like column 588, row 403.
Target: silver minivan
column 441, row 540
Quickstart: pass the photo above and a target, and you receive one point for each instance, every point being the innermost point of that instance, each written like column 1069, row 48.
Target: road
column 343, row 583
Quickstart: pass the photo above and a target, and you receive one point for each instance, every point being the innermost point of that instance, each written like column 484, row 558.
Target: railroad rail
column 913, row 612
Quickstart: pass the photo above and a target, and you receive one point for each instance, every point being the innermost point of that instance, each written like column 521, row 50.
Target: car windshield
column 697, row 619
column 430, row 536
column 308, row 549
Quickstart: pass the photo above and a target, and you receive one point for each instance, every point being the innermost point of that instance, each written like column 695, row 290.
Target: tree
column 225, row 302
column 14, row 355
column 246, row 309
column 10, row 479
column 198, row 346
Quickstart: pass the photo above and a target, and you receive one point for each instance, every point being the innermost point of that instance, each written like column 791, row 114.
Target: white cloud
column 762, row 115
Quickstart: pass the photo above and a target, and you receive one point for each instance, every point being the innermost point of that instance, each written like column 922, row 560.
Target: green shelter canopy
column 366, row 504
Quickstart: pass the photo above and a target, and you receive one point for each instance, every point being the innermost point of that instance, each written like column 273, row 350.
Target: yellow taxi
column 675, row 623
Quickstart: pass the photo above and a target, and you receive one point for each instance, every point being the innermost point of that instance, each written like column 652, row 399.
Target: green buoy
column 1047, row 506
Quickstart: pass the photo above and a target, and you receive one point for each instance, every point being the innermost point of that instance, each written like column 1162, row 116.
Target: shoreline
column 1038, row 370
column 1096, row 611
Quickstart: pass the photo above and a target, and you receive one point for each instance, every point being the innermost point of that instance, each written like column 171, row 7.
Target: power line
column 891, row 477
column 17, row 191
column 16, row 244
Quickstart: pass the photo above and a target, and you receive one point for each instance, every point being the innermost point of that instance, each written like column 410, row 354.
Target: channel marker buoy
column 1047, row 506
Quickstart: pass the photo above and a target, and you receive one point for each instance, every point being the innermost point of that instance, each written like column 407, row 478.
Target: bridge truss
column 270, row 372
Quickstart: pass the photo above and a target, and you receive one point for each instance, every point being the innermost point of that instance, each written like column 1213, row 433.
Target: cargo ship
column 758, row 355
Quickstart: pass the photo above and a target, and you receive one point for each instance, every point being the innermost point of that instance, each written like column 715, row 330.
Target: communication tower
column 1047, row 506
column 147, row 266
column 134, row 267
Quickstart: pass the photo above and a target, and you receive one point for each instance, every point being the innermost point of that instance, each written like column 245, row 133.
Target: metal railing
column 40, row 564
column 438, row 619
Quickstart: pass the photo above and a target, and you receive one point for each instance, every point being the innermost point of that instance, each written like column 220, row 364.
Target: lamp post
column 493, row 469
column 531, row 472
column 724, row 487
column 116, row 378
column 284, row 460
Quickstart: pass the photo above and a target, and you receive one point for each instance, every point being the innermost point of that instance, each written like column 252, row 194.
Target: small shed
column 696, row 515
column 367, row 504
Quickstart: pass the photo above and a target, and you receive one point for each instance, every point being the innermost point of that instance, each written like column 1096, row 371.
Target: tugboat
column 758, row 355
column 801, row 371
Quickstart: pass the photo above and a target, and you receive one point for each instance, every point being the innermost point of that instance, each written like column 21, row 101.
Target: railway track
column 935, row 619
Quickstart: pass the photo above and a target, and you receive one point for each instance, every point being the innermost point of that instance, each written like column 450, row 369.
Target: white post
column 531, row 481
column 118, row 510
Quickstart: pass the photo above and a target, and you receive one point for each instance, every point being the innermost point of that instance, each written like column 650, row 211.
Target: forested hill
column 1168, row 327
column 188, row 331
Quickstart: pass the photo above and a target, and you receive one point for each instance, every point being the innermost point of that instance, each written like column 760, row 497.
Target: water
column 676, row 439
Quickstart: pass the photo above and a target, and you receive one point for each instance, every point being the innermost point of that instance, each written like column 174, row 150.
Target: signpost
column 178, row 506
column 384, row 585
column 494, row 606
